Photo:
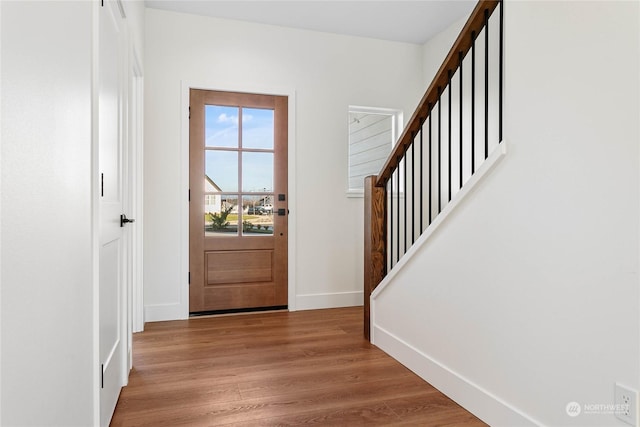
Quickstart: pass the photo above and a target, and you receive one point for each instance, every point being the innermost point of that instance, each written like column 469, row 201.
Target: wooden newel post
column 374, row 242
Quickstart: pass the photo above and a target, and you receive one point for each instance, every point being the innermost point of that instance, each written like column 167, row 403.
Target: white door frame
column 136, row 201
column 182, row 309
column 95, row 214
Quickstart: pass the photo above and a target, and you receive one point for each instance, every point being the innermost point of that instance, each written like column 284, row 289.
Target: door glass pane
column 221, row 170
column 221, row 126
column 257, row 128
column 257, row 172
column 220, row 215
column 257, row 218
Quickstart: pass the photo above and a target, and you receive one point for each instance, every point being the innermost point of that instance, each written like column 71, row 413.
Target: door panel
column 110, row 254
column 238, row 181
column 239, row 267
column 249, row 295
column 111, row 296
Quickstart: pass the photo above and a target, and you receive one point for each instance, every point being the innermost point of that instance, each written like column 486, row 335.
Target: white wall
column 527, row 297
column 47, row 314
column 437, row 48
column 49, row 369
column 327, row 73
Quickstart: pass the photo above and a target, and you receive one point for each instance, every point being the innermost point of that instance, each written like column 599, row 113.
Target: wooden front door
column 238, row 201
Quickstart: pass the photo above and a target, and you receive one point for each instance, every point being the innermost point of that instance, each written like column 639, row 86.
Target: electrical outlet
column 626, row 401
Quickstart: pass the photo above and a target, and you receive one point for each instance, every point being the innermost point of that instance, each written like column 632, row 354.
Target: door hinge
column 189, row 112
column 102, row 185
column 189, row 278
column 189, row 197
column 102, row 376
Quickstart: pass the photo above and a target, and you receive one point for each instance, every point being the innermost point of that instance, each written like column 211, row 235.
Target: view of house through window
column 239, row 152
column 372, row 134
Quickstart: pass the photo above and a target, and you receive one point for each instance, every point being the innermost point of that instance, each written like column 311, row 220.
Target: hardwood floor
column 269, row 369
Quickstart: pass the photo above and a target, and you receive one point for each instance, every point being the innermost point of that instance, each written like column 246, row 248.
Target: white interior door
column 112, row 252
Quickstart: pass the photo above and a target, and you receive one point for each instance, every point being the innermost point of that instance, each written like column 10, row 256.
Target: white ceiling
column 405, row 21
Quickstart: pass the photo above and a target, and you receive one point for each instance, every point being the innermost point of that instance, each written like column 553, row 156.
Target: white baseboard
column 480, row 402
column 161, row 312
column 329, row 300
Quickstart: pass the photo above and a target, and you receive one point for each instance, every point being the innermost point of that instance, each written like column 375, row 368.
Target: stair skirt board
column 480, row 402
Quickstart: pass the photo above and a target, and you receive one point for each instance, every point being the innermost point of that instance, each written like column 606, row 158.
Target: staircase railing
column 435, row 156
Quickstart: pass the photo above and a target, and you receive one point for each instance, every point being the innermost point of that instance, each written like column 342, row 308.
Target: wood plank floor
column 275, row 369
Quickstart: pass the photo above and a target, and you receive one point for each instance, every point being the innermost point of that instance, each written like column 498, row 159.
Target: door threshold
column 237, row 311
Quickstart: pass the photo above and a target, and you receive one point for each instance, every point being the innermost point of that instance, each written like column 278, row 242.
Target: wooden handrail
column 463, row 43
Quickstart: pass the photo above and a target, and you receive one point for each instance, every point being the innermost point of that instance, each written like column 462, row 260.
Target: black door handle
column 124, row 220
